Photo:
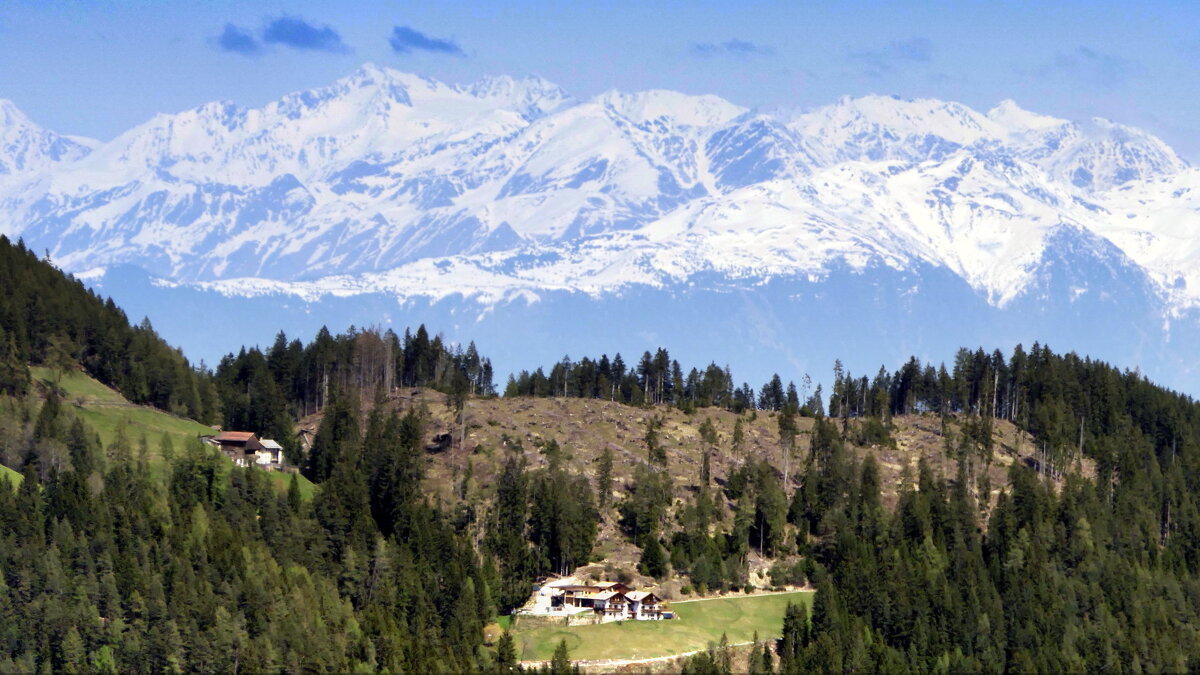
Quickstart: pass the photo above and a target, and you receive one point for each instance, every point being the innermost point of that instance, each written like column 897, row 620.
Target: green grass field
column 13, row 477
column 105, row 411
column 281, row 480
column 700, row 622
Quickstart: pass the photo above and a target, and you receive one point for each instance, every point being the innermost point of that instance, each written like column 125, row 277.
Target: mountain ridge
column 383, row 170
column 464, row 199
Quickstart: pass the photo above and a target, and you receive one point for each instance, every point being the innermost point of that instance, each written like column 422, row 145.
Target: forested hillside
column 1024, row 512
column 111, row 561
column 52, row 319
column 107, row 568
column 268, row 391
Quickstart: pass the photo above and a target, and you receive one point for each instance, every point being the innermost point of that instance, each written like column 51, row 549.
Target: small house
column 240, row 446
column 644, row 605
column 270, row 457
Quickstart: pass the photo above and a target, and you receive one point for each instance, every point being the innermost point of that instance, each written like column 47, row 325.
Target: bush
column 788, row 574
column 873, row 432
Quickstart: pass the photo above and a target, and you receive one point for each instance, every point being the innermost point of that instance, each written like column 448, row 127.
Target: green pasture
column 14, row 477
column 699, row 622
column 107, row 412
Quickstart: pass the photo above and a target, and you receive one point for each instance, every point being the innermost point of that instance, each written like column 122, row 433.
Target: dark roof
column 233, row 436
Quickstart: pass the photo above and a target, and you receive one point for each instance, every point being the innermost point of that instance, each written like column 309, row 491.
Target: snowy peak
column 26, row 148
column 11, row 116
column 373, row 114
column 876, row 128
column 512, row 184
column 755, row 149
column 1103, row 155
column 1017, row 120
column 1092, row 156
column 670, row 107
column 534, row 96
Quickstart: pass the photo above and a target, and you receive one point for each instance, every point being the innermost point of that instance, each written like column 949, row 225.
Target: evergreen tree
column 560, row 663
column 604, row 476
column 506, row 654
column 653, row 562
column 656, row 453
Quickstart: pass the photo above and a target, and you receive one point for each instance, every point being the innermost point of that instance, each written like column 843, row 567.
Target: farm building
column 608, row 600
column 271, row 454
column 246, row 449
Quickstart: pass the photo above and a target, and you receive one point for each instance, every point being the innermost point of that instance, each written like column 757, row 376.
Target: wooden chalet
column 245, row 448
column 240, row 446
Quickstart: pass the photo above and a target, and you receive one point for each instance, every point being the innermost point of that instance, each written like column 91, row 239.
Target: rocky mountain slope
column 386, row 180
column 482, row 200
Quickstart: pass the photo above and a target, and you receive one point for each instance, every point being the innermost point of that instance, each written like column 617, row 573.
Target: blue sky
column 96, row 68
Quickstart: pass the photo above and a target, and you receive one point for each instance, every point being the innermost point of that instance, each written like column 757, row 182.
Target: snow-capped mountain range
column 386, row 182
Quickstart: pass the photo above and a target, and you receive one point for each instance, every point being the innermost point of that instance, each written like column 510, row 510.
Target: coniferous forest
column 112, row 562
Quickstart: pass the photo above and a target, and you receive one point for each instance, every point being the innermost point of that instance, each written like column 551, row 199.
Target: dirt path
column 611, row 663
column 786, row 589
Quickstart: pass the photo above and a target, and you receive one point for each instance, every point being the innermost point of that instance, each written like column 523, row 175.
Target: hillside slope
column 115, row 420
column 464, row 470
column 107, row 412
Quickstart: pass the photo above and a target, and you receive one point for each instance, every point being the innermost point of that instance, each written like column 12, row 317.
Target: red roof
column 234, row 436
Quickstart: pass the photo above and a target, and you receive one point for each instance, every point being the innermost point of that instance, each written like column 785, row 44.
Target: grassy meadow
column 699, row 622
column 106, row 412
column 14, row 477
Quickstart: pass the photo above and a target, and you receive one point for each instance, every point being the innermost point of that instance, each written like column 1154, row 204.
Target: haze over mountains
column 513, row 213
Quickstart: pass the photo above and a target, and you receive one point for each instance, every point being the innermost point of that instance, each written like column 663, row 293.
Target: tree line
column 52, row 319
column 265, row 391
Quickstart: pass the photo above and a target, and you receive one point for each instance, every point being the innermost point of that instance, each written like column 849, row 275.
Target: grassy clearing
column 282, row 480
column 106, row 411
column 700, row 622
column 14, row 477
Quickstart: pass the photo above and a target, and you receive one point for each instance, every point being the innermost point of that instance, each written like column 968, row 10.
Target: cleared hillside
column 14, row 477
column 584, row 427
column 463, row 468
column 106, row 411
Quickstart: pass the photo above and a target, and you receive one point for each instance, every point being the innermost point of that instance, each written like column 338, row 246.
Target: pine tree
column 754, row 661
column 739, row 436
column 653, row 561
column 656, row 453
column 604, row 476
column 294, row 499
column 506, row 654
column 560, row 662
column 73, row 653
